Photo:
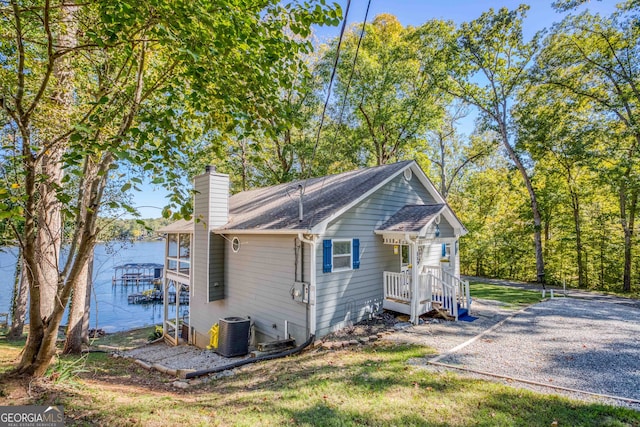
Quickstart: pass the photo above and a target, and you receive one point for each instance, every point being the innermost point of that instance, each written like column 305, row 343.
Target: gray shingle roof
column 180, row 226
column 411, row 218
column 276, row 208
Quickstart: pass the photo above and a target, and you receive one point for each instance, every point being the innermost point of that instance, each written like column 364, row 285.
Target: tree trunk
column 602, row 251
column 627, row 227
column 243, row 150
column 87, row 304
column 50, row 228
column 49, row 234
column 41, row 342
column 443, row 167
column 626, row 278
column 41, row 346
column 76, row 328
column 20, row 299
column 575, row 204
column 537, row 219
column 48, row 290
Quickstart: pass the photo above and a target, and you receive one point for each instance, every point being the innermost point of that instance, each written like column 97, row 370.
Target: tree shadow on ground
column 370, row 385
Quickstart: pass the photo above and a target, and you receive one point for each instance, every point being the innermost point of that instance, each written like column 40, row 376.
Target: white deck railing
column 397, row 286
column 434, row 285
column 444, row 294
column 462, row 289
column 435, row 270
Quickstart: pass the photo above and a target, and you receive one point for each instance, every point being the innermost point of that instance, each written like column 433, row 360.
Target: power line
column 326, row 102
column 353, row 66
column 335, row 66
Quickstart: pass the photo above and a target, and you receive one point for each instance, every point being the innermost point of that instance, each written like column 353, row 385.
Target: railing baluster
column 434, row 284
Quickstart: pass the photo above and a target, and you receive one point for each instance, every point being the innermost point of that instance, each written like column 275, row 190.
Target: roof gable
column 412, row 218
column 179, row 226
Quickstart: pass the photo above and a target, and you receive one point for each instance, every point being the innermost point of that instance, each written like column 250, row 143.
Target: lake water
column 110, row 309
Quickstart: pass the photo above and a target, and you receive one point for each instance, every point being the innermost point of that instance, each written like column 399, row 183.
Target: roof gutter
column 293, row 231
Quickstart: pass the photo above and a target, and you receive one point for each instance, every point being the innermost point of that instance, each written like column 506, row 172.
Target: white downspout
column 312, row 282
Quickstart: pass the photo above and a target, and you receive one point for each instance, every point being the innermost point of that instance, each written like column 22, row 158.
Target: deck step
column 462, row 312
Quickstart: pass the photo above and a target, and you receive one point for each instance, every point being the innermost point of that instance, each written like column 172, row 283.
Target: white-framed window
column 341, row 254
column 235, row 244
column 179, row 253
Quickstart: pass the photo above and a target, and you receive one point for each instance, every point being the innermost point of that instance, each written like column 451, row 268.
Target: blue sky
column 409, row 12
column 416, row 12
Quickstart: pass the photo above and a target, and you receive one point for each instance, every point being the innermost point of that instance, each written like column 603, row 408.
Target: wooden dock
column 154, row 295
column 136, row 274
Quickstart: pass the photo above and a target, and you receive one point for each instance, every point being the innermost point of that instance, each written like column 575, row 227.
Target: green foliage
column 153, row 77
column 586, row 114
column 66, row 369
column 389, row 98
column 95, row 95
column 563, row 108
column 130, row 229
column 155, row 334
column 492, row 203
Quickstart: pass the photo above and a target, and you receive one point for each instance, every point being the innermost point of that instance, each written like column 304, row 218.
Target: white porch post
column 165, row 285
column 415, row 297
column 428, row 279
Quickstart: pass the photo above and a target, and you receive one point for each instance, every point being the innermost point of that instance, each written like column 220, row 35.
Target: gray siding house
column 310, row 257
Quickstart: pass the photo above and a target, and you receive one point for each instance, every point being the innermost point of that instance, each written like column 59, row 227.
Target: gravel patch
column 443, row 335
column 180, row 357
column 586, row 345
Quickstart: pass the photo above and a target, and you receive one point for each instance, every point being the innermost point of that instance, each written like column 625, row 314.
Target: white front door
column 405, row 258
column 448, row 259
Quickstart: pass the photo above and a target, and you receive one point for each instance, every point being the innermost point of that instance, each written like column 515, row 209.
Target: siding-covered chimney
column 210, row 211
column 211, row 202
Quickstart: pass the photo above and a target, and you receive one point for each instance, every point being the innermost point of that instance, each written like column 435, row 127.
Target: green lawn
column 513, row 297
column 370, row 385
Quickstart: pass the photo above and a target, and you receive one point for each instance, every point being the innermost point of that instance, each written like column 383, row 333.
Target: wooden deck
column 397, row 294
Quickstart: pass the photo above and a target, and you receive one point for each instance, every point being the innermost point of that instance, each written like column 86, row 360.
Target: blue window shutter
column 356, row 253
column 326, row 256
column 444, row 250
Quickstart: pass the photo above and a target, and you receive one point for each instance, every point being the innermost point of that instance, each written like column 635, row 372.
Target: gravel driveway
column 588, row 345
